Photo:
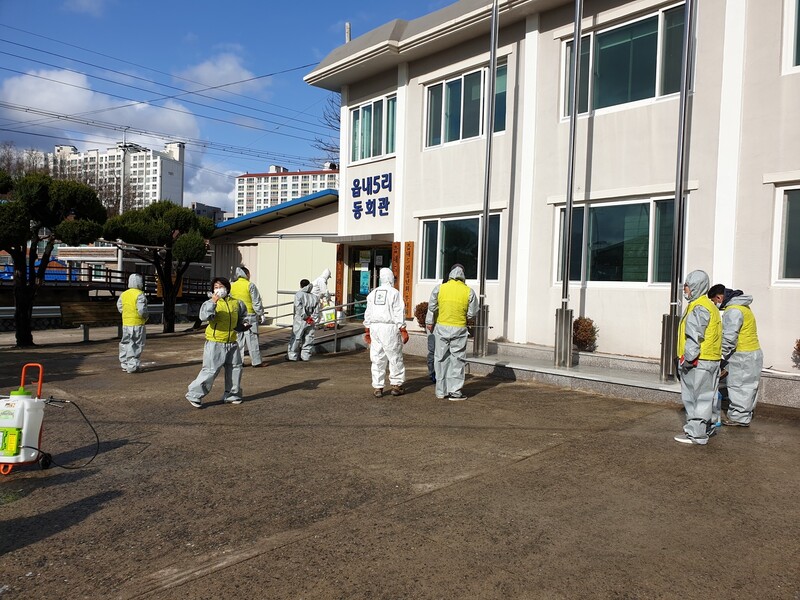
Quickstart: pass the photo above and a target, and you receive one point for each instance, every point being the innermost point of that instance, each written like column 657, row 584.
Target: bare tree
column 8, row 157
column 330, row 119
column 18, row 163
column 12, row 161
column 33, row 161
column 108, row 190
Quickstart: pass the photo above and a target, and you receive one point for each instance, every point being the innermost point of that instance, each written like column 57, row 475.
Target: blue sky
column 111, row 64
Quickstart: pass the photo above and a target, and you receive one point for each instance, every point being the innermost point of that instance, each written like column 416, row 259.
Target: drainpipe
column 481, row 341
column 670, row 321
column 562, row 352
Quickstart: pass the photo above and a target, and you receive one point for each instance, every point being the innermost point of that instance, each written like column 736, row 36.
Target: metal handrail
column 109, row 278
column 52, row 312
column 336, row 318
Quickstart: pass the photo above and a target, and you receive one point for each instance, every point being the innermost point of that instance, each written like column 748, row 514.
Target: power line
column 148, row 102
column 185, row 112
column 127, row 62
column 172, row 87
column 204, row 144
column 246, row 153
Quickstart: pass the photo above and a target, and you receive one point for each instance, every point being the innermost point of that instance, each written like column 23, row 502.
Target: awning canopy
column 360, row 240
column 281, row 211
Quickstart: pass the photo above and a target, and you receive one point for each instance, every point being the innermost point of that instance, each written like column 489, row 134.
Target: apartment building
column 257, row 191
column 140, row 175
column 413, row 146
column 215, row 213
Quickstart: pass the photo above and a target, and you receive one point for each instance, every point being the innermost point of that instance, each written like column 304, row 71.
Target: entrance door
column 365, row 265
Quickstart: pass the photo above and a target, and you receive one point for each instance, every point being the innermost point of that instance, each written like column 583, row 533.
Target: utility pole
column 122, row 196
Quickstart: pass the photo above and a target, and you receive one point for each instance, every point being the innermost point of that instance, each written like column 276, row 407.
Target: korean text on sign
column 371, row 186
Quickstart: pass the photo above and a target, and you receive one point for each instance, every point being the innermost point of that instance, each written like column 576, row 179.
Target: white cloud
column 78, row 100
column 60, row 91
column 223, row 69
column 209, row 186
column 94, row 8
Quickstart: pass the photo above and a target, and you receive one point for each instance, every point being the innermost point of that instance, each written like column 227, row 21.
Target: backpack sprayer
column 21, row 416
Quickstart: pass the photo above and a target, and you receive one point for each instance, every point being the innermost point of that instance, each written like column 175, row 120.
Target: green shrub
column 584, row 334
column 420, row 310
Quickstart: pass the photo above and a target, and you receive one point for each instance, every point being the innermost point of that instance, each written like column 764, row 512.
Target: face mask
column 687, row 297
column 717, row 304
column 221, row 292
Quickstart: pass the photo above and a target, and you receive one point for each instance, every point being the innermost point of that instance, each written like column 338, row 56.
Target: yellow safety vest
column 453, row 303
column 711, row 346
column 748, row 334
column 131, row 316
column 222, row 327
column 240, row 289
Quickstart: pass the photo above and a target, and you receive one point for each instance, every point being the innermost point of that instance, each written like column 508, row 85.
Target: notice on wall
column 378, row 260
column 364, row 283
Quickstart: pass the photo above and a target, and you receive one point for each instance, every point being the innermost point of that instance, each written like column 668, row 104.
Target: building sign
column 87, row 253
column 371, row 196
column 408, row 278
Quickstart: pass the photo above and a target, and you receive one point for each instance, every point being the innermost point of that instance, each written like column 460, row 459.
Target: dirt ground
column 312, row 488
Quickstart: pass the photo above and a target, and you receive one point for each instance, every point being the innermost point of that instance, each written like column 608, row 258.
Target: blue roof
column 283, row 209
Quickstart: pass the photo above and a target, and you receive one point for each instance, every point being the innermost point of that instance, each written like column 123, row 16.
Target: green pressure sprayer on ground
column 21, row 417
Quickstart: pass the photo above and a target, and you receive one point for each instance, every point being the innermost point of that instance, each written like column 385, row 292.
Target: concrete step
column 633, row 377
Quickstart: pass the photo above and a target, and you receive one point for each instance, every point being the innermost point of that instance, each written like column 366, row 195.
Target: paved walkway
column 312, row 488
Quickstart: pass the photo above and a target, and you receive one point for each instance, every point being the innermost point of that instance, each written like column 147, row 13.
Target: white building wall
column 744, row 149
column 769, row 162
column 623, row 153
column 168, row 176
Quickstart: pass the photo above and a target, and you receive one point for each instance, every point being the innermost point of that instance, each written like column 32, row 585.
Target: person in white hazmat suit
column 385, row 332
column 132, row 304
column 450, row 305
column 307, row 314
column 699, row 351
column 225, row 315
column 245, row 290
column 320, row 287
column 741, row 356
column 320, row 290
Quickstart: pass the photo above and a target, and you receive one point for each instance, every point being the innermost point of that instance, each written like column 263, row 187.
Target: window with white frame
column 789, row 234
column 455, row 107
column 630, row 241
column 629, row 62
column 372, row 128
column 446, row 242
